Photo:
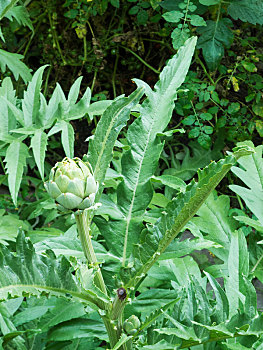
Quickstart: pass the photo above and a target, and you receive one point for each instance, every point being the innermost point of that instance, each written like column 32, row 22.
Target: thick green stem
column 83, row 220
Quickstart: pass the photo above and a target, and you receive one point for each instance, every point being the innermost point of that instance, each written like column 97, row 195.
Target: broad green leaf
column 16, row 155
column 7, row 118
column 250, row 171
column 139, row 163
column 31, row 100
column 16, row 112
column 67, row 138
column 149, row 301
column 21, row 15
column 9, row 227
column 74, row 91
column 39, row 146
column 170, row 181
column 214, row 38
column 112, row 121
column 62, row 310
column 123, row 339
column 251, row 222
column 178, row 212
column 30, row 314
column 26, row 273
column 7, row 326
column 214, row 220
column 98, row 108
column 238, row 265
column 79, row 328
column 12, row 61
column 5, row 6
column 246, row 10
column 221, row 308
column 156, row 314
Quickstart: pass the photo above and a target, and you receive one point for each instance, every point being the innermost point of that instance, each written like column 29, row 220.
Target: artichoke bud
column 72, row 184
column 131, row 325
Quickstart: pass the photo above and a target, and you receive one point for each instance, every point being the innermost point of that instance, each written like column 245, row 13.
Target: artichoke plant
column 72, row 184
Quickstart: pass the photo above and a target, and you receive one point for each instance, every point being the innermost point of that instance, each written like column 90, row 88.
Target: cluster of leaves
column 145, row 206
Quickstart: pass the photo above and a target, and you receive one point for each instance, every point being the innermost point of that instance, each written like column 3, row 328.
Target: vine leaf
column 27, row 273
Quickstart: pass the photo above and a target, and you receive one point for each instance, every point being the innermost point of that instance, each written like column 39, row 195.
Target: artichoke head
column 72, row 184
column 131, row 325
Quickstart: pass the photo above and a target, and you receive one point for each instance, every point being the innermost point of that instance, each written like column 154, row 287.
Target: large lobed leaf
column 13, row 62
column 27, row 273
column 139, row 163
column 250, row 171
column 178, row 212
column 112, row 121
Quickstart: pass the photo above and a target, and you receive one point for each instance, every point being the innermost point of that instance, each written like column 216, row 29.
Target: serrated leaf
column 78, row 328
column 178, row 212
column 250, row 171
column 31, row 100
column 214, row 220
column 156, row 314
column 7, row 118
column 246, row 10
column 39, row 146
column 135, row 192
column 238, row 265
column 21, row 15
column 5, row 6
column 123, row 339
column 67, row 138
column 16, row 155
column 12, row 61
column 26, row 273
column 98, row 108
column 221, row 309
column 112, row 121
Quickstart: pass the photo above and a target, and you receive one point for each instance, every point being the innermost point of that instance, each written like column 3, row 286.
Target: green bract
column 72, row 184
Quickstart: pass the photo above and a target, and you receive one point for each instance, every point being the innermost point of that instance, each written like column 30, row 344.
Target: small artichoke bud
column 72, row 184
column 131, row 325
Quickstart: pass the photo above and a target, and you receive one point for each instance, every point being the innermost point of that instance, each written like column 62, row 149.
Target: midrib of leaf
column 129, row 216
column 56, row 291
column 109, row 131
column 220, row 222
